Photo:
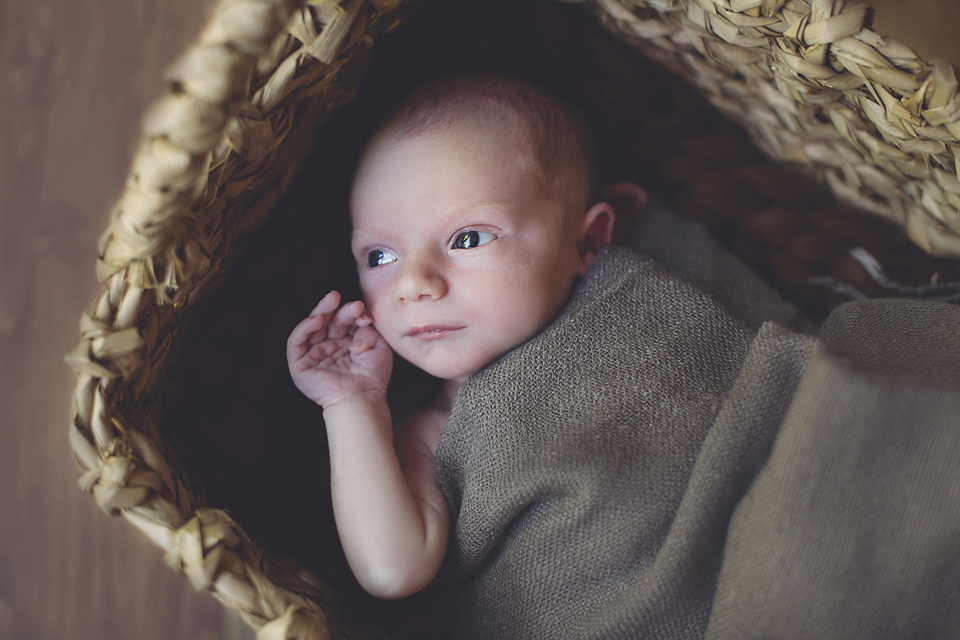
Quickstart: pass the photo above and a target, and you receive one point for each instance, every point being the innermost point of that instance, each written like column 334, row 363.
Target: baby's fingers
column 315, row 321
column 344, row 318
column 311, row 328
column 298, row 342
column 327, row 304
column 364, row 339
column 366, row 318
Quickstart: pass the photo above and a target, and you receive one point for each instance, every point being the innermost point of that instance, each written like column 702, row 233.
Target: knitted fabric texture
column 852, row 530
column 593, row 472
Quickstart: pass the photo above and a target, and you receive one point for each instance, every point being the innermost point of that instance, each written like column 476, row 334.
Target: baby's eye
column 471, row 239
column 379, row 257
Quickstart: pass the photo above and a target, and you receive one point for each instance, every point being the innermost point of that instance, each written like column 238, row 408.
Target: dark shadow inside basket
column 253, row 445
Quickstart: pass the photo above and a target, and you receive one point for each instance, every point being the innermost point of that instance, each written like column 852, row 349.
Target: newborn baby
column 473, row 214
column 615, row 453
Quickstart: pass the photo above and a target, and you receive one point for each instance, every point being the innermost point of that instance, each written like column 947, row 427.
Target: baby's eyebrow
column 484, row 205
column 366, row 231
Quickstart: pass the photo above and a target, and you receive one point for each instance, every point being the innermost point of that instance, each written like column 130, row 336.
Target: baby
column 631, row 457
column 473, row 214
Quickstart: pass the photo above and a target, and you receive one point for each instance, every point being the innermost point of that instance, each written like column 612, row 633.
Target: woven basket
column 192, row 251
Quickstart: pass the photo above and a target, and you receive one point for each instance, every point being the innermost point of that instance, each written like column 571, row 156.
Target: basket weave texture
column 813, row 84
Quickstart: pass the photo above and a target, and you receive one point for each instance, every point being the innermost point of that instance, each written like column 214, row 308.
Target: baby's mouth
column 430, row 332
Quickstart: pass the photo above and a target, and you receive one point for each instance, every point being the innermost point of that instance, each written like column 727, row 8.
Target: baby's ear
column 594, row 232
column 627, row 200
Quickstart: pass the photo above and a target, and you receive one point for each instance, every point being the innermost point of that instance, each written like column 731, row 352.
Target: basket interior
column 254, row 446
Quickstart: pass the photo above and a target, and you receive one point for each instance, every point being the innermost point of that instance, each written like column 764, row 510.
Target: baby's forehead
column 464, row 138
column 500, row 124
column 449, row 175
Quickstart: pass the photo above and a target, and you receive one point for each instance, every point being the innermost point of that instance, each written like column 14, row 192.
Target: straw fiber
column 228, row 229
column 816, row 86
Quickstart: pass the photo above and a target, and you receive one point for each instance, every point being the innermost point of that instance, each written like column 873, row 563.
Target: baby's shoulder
column 623, row 274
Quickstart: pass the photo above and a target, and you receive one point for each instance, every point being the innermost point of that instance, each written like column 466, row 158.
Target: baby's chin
column 449, row 371
column 450, row 368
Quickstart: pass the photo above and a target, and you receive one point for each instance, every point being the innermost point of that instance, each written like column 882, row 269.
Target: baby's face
column 461, row 257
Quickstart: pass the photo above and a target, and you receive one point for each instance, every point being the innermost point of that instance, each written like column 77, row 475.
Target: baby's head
column 472, row 217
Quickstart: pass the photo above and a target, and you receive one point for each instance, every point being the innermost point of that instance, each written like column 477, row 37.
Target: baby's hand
column 336, row 354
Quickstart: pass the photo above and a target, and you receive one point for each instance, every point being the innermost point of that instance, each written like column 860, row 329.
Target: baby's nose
column 420, row 280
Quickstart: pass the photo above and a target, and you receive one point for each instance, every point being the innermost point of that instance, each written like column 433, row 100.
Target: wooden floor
column 74, row 80
column 929, row 27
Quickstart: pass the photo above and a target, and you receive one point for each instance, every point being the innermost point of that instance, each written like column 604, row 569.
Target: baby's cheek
column 386, row 330
column 374, row 307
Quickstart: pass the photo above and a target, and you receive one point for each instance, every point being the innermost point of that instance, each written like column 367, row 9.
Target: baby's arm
column 390, row 515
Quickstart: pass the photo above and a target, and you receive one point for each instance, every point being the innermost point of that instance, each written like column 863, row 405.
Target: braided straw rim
column 217, row 150
column 808, row 78
column 816, row 86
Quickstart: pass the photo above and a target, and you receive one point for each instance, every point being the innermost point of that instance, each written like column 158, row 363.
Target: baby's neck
column 444, row 399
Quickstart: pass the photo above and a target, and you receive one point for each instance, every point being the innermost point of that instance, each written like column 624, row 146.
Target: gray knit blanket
column 650, row 467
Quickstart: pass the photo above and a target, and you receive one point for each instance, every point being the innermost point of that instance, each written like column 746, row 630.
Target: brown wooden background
column 74, row 80
column 75, row 77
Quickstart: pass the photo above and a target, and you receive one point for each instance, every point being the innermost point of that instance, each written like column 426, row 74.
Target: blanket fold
column 852, row 529
column 593, row 473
